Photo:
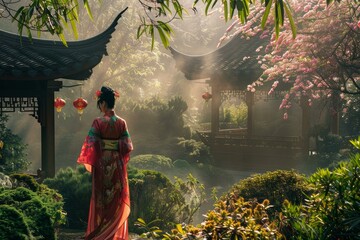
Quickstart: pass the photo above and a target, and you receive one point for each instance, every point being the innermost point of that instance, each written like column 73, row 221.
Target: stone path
column 75, row 234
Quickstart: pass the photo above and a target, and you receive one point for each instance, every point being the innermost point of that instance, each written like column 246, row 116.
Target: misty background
column 131, row 68
column 140, row 74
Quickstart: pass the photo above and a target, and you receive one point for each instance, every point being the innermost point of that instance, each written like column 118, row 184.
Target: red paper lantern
column 206, row 96
column 59, row 103
column 80, row 104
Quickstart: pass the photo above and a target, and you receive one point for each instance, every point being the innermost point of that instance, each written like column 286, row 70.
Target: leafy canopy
column 54, row 16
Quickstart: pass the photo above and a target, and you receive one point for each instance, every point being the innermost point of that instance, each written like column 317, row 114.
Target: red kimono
column 105, row 154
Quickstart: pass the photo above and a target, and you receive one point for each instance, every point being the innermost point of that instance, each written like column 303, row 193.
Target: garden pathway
column 75, row 234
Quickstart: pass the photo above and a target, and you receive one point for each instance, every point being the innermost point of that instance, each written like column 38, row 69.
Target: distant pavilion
column 32, row 70
column 229, row 70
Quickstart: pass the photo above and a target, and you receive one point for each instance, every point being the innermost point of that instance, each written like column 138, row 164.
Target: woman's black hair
column 107, row 95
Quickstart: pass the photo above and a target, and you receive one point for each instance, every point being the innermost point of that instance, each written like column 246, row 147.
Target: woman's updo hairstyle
column 107, row 95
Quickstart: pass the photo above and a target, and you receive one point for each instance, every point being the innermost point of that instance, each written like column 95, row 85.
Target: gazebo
column 229, row 70
column 31, row 70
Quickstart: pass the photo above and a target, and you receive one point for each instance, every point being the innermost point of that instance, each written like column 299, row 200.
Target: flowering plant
column 98, row 93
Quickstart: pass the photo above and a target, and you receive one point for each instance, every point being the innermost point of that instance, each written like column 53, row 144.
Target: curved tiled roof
column 38, row 59
column 236, row 63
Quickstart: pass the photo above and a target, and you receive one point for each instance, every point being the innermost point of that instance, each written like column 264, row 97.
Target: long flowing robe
column 105, row 153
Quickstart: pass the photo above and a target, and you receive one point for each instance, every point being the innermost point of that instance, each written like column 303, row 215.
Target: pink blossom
column 307, row 8
column 315, row 96
column 231, row 26
column 275, row 84
column 283, row 103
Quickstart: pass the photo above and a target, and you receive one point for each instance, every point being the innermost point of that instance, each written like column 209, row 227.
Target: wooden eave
column 22, row 59
column 236, row 63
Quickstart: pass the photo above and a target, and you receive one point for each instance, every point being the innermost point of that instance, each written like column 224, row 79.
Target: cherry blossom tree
column 322, row 60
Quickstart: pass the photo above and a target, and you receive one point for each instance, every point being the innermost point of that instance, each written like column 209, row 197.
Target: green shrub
column 12, row 155
column 12, row 224
column 333, row 210
column 330, row 144
column 151, row 162
column 33, row 210
column 153, row 197
column 182, row 164
column 16, row 196
column 231, row 218
column 54, row 204
column 38, row 219
column 53, row 201
column 276, row 186
column 194, row 150
column 75, row 187
column 150, row 115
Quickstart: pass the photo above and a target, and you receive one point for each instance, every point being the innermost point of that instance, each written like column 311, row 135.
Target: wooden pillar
column 305, row 128
column 47, row 121
column 215, row 106
column 249, row 103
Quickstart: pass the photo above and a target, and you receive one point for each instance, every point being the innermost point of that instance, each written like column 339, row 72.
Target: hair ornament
column 116, row 94
column 98, row 94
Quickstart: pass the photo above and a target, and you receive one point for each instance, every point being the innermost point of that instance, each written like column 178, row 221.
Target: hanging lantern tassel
column 80, row 104
column 59, row 103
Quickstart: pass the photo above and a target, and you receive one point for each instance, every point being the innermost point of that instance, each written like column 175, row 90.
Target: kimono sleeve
column 90, row 149
column 125, row 144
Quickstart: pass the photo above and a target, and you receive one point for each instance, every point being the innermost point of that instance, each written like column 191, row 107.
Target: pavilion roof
column 38, row 59
column 236, row 63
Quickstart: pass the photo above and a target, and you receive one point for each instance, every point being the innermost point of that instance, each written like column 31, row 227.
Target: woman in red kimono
column 105, row 154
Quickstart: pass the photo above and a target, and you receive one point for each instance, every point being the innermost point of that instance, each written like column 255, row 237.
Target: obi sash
column 112, row 145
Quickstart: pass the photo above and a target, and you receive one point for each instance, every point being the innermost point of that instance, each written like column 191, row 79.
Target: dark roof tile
column 23, row 59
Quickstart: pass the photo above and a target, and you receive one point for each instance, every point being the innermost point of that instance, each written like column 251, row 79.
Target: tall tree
column 53, row 15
